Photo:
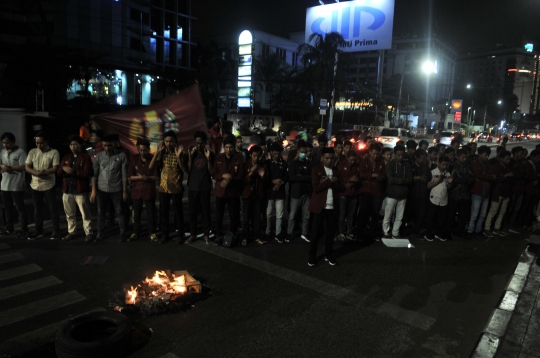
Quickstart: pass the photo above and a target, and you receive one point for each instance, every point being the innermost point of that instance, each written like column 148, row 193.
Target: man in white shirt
column 12, row 163
column 42, row 162
column 438, row 200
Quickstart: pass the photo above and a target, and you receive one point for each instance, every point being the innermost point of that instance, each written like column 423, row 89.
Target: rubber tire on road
column 97, row 334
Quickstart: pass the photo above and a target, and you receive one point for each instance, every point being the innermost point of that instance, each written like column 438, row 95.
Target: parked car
column 390, row 136
column 485, row 136
column 445, row 138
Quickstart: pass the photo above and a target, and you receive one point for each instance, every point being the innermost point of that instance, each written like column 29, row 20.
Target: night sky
column 463, row 23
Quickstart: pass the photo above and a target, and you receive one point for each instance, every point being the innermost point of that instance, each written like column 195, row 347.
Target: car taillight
column 398, row 138
column 351, row 140
column 378, row 139
column 452, row 137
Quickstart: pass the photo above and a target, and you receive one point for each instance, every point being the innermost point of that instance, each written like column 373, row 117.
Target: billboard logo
column 365, row 25
column 378, row 20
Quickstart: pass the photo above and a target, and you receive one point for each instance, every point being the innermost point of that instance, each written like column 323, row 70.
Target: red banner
column 182, row 113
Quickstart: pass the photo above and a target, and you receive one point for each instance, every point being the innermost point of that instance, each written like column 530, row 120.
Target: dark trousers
column 513, row 210
column 368, row 213
column 137, row 208
column 323, row 223
column 10, row 198
column 347, row 211
column 199, row 201
column 234, row 213
column 526, row 214
column 253, row 207
column 50, row 196
column 461, row 208
column 103, row 202
column 436, row 219
column 165, row 206
column 418, row 206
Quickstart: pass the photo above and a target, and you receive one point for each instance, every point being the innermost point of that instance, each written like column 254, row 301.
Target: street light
column 485, row 111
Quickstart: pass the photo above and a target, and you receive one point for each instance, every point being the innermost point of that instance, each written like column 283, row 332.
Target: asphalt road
column 432, row 300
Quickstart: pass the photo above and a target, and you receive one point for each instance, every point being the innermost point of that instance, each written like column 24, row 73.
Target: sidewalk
column 514, row 327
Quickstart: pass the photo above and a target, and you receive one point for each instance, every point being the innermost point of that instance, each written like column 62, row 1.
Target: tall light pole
column 428, row 67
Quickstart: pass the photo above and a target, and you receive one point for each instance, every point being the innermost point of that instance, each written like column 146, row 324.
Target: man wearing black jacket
column 399, row 177
column 300, row 191
column 276, row 191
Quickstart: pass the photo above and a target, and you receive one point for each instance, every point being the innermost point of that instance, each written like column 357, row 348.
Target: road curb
column 497, row 324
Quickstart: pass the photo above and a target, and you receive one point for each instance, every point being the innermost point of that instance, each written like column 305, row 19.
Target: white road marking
column 28, row 286
column 19, row 271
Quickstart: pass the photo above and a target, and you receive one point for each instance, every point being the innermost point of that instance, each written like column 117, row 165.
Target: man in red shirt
column 75, row 170
column 228, row 172
column 142, row 180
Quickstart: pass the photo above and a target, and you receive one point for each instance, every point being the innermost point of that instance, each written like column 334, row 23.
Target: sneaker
column 312, row 262
column 386, row 236
column 350, row 237
column 304, row 237
column 331, row 260
column 35, row 236
column 428, row 237
column 513, row 231
column 21, row 234
column 133, row 237
column 154, row 237
column 279, row 239
column 288, row 238
column 341, row 237
column 488, row 233
column 499, row 232
column 396, row 237
column 440, row 238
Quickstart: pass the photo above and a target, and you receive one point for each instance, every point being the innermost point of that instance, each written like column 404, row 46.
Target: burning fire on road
column 163, row 286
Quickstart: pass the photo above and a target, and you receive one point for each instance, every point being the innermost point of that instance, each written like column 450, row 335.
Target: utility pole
column 332, row 100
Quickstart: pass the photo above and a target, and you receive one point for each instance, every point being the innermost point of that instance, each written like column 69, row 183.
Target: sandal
column 244, row 242
column 190, row 239
column 260, row 242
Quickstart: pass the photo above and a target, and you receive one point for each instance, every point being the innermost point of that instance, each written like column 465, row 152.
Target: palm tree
column 318, row 60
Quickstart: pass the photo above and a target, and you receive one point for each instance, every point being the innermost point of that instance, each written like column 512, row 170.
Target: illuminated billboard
column 244, row 102
column 364, row 24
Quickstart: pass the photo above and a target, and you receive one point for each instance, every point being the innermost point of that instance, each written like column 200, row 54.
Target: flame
column 132, row 294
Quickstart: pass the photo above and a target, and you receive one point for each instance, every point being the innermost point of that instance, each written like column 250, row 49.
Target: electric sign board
column 364, row 24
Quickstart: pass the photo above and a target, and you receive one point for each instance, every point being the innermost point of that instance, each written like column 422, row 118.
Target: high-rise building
column 126, row 44
column 488, row 75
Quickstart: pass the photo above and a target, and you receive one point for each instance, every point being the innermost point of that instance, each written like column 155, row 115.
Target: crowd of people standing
column 335, row 192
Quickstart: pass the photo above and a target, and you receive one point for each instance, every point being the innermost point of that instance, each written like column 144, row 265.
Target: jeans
column 275, row 209
column 15, row 197
column 323, row 223
column 199, row 201
column 50, row 196
column 399, row 207
column 103, row 202
column 503, row 204
column 233, row 204
column 165, row 207
column 368, row 210
column 253, row 207
column 478, row 211
column 303, row 204
column 347, row 207
column 436, row 218
column 137, row 208
column 71, row 202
